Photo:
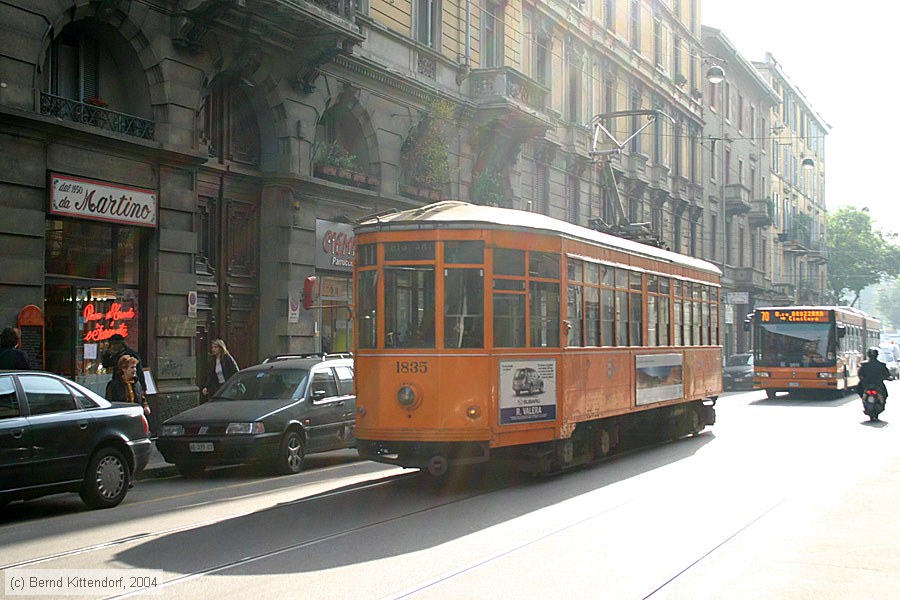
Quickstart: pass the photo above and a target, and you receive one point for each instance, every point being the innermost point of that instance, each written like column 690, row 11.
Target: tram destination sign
column 102, row 201
column 796, row 315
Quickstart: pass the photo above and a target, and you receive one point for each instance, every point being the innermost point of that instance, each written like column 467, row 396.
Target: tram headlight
column 473, row 412
column 407, row 397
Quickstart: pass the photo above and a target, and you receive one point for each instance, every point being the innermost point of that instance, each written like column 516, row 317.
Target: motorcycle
column 873, row 402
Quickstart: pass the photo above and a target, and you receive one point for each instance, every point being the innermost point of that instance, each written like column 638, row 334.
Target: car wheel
column 107, row 479
column 190, row 469
column 291, row 454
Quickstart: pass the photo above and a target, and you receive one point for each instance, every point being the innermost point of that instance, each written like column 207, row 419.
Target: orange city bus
column 489, row 333
column 818, row 348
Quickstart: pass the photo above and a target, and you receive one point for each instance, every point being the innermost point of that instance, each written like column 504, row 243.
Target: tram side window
column 635, row 302
column 509, row 298
column 591, row 304
column 704, row 314
column 367, row 309
column 677, row 314
column 575, row 303
column 463, row 308
column 409, row 320
column 544, row 299
column 714, row 315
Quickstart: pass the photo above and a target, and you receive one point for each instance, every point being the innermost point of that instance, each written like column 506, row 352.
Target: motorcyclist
column 873, row 373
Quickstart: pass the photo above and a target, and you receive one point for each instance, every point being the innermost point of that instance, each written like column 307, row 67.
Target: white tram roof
column 466, row 214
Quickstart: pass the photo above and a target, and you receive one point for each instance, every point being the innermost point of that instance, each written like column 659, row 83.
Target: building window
column 658, row 42
column 634, row 19
column 428, row 13
column 574, row 199
column 492, row 54
column 542, row 47
column 609, row 14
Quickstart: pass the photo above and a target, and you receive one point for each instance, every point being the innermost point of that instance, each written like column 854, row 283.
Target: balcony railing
column 96, row 116
column 737, row 198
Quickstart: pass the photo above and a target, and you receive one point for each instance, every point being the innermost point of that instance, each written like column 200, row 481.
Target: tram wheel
column 602, row 443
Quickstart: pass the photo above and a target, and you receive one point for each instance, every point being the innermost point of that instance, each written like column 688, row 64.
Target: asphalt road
column 780, row 499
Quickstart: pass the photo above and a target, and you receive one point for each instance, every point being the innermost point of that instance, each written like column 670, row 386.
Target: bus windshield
column 795, row 344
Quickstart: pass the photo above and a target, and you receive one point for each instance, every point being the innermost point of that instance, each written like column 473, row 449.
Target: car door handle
column 17, row 433
column 82, row 424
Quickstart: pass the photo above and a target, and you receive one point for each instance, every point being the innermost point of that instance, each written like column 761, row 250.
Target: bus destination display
column 795, row 316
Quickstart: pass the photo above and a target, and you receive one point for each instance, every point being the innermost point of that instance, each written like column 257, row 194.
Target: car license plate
column 201, row 446
column 793, row 384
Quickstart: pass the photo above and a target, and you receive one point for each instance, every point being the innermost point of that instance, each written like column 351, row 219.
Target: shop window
column 90, row 250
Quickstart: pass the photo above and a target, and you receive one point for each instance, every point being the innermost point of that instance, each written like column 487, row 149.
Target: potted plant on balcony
column 331, row 157
column 424, row 153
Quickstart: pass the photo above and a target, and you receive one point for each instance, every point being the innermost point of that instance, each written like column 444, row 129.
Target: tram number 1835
column 412, row 366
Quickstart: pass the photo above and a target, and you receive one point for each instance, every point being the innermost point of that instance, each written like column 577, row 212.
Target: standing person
column 224, row 368
column 10, row 355
column 124, row 386
column 118, row 348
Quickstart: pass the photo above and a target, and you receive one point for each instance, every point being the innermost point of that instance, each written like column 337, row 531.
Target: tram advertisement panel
column 527, row 391
column 659, row 377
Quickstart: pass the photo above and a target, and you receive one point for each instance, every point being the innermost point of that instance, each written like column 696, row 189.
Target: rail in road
column 638, row 526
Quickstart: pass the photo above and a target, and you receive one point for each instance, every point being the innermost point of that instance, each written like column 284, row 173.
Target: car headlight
column 245, row 428
column 172, row 430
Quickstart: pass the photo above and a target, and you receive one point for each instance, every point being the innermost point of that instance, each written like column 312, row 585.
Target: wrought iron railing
column 96, row 116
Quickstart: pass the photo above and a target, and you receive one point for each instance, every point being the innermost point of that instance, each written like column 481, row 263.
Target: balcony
column 503, row 92
column 737, row 198
column 321, row 29
column 796, row 239
column 659, row 177
column 761, row 213
column 96, row 116
column 750, row 279
column 512, row 106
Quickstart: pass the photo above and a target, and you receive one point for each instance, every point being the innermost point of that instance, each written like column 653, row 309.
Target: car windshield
column 737, row 360
column 885, row 356
column 268, row 384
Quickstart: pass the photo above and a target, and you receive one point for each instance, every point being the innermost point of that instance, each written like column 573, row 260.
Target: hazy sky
column 842, row 57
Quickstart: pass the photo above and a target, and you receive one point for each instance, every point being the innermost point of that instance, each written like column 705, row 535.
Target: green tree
column 858, row 255
column 888, row 301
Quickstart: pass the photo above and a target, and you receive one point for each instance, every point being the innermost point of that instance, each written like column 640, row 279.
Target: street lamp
column 715, row 74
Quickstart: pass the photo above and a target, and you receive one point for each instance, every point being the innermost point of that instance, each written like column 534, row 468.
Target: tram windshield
column 795, row 344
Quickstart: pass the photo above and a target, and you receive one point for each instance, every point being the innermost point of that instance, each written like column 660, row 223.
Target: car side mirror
column 317, row 394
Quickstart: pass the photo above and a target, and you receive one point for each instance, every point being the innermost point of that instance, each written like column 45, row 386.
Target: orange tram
column 489, row 333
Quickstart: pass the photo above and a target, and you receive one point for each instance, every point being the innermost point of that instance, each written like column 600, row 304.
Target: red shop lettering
column 115, row 313
column 101, row 332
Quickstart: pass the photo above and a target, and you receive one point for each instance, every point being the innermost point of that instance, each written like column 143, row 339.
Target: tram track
column 309, row 543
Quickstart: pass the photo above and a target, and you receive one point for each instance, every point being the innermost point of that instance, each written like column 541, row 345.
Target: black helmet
column 872, row 352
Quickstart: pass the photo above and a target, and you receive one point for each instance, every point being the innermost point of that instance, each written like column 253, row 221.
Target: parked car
column 57, row 436
column 274, row 414
column 738, row 372
column 886, row 355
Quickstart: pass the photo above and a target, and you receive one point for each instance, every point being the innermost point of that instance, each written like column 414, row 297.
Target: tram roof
column 466, row 214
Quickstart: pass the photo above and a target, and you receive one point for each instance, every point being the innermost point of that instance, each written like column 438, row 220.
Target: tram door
column 227, row 268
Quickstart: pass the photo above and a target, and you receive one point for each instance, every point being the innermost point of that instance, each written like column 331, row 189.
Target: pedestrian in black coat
column 10, row 355
column 224, row 367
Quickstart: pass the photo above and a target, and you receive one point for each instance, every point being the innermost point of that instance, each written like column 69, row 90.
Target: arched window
column 229, row 125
